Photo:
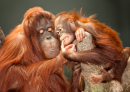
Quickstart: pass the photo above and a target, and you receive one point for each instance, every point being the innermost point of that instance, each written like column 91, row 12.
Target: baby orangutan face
column 66, row 37
column 64, row 31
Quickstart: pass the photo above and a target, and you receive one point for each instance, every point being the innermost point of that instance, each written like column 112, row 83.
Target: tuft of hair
column 80, row 17
column 84, row 19
column 77, row 14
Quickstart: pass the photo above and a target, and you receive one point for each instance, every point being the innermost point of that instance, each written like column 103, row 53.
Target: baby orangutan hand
column 80, row 33
column 68, row 49
column 98, row 78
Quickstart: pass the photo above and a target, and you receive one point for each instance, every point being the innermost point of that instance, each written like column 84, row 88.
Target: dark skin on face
column 48, row 39
column 108, row 48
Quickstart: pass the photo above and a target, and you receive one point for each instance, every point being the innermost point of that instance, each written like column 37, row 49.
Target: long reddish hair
column 22, row 44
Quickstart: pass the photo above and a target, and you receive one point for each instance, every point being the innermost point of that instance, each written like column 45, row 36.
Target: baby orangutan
column 108, row 48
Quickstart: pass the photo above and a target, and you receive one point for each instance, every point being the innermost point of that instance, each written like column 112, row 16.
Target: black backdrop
column 114, row 13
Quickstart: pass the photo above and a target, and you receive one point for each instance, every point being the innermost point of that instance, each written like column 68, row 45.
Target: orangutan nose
column 48, row 37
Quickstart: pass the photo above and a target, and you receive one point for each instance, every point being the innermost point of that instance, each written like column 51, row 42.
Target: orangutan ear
column 72, row 24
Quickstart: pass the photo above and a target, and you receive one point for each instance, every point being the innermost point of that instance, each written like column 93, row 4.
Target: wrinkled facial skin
column 65, row 33
column 49, row 42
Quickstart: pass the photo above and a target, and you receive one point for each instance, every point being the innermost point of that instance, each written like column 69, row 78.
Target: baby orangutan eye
column 41, row 31
column 58, row 32
column 60, row 29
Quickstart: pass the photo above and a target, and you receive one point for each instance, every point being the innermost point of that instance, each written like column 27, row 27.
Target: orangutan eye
column 60, row 29
column 58, row 32
column 41, row 31
column 49, row 29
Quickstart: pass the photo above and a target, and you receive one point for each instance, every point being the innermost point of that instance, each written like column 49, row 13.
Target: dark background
column 114, row 13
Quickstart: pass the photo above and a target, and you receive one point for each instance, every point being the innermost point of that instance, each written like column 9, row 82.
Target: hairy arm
column 12, row 78
column 85, row 57
column 105, row 48
column 75, row 84
column 47, row 67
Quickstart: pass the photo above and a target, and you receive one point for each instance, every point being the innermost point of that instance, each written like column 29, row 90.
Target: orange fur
column 108, row 46
column 22, row 66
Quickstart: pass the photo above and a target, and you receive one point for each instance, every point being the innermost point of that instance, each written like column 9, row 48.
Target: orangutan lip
column 54, row 49
column 66, row 38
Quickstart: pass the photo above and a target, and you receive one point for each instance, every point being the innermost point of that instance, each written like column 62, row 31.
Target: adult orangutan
column 30, row 58
column 108, row 48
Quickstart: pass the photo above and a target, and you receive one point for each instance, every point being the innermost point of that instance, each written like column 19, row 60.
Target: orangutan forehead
column 45, row 24
column 62, row 19
column 59, row 20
